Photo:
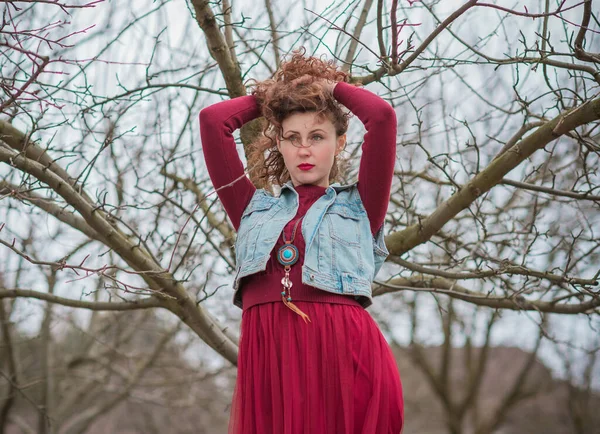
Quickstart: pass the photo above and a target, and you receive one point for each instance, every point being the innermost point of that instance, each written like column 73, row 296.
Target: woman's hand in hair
column 329, row 85
column 307, row 80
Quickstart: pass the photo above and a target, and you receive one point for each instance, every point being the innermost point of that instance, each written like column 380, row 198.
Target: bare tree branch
column 400, row 242
column 440, row 285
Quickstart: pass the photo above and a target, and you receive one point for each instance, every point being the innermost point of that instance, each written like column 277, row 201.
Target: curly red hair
column 297, row 86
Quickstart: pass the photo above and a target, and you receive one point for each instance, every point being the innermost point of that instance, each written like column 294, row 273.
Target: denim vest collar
column 335, row 186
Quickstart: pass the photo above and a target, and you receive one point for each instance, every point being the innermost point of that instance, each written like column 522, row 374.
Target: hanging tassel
column 296, row 309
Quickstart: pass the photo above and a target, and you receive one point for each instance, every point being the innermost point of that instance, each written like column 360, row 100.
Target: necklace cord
column 287, row 256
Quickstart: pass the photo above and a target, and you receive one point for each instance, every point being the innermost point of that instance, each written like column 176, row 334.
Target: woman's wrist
column 329, row 85
column 334, row 86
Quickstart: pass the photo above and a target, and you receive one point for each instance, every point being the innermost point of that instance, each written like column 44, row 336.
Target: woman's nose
column 304, row 150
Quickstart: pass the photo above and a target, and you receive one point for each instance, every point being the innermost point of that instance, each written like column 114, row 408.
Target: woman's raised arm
column 378, row 149
column 217, row 124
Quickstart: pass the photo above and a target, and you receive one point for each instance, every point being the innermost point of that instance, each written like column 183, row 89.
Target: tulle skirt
column 334, row 375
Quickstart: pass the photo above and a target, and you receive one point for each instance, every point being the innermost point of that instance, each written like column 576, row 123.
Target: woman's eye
column 317, row 137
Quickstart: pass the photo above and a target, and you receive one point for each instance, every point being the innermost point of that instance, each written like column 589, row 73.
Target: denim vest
column 341, row 255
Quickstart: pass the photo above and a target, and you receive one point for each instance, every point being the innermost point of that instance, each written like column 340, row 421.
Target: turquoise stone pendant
column 287, row 254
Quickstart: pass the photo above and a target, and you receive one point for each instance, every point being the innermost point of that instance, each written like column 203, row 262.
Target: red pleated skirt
column 334, row 375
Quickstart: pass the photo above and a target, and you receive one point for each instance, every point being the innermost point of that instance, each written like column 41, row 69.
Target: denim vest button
column 312, row 277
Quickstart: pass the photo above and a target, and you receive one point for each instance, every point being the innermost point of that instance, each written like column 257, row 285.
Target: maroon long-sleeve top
column 217, row 124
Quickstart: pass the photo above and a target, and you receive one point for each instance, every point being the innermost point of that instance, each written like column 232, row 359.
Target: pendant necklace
column 287, row 255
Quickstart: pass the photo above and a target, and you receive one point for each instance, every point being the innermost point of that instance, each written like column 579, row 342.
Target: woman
column 311, row 358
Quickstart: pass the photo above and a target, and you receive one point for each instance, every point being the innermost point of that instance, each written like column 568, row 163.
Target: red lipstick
column 305, row 166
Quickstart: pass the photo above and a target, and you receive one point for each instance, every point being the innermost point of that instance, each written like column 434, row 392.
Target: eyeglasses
column 296, row 140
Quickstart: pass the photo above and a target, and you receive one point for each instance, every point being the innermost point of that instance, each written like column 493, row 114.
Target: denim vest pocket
column 253, row 218
column 257, row 205
column 344, row 224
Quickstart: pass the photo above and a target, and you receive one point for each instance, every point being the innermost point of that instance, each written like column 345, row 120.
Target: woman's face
column 309, row 164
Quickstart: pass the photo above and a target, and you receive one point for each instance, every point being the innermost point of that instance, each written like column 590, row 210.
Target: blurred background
column 116, row 257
